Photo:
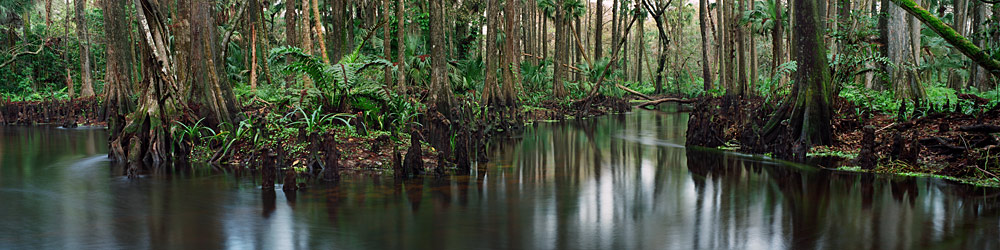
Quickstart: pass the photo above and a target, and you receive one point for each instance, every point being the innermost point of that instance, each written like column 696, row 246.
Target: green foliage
column 536, row 76
column 762, row 18
column 467, row 75
column 349, row 80
column 316, row 121
column 771, row 87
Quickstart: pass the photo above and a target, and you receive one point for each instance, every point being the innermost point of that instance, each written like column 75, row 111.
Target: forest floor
column 942, row 142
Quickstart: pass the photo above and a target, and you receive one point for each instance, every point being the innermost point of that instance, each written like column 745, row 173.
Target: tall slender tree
column 490, row 88
column 599, row 30
column 511, row 55
column 87, row 82
column 706, row 69
column 401, row 46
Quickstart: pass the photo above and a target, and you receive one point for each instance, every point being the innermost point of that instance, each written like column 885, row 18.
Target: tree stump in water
column 867, row 158
column 897, row 147
column 290, row 183
column 134, row 154
column 331, row 159
column 268, row 170
column 413, row 163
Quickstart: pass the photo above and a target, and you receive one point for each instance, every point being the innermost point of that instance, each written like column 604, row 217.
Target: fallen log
column 645, row 105
column 982, row 129
column 626, row 89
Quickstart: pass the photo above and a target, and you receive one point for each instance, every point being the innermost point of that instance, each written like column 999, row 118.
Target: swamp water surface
column 613, row 182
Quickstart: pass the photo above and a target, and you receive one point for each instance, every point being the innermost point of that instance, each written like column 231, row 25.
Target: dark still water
column 615, row 182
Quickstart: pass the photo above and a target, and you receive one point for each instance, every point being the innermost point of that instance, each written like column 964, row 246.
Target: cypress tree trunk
column 955, row 80
column 559, row 71
column 386, row 42
column 87, row 88
column 440, row 91
column 118, row 74
column 706, row 68
column 723, row 43
column 812, row 112
column 306, row 39
column 900, row 53
column 492, row 54
column 401, row 46
column 808, row 105
column 777, row 35
column 511, row 54
column 741, row 55
column 614, row 24
column 599, row 31
column 321, row 31
column 291, row 34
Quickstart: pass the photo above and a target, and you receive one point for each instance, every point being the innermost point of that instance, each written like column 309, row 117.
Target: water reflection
column 616, row 182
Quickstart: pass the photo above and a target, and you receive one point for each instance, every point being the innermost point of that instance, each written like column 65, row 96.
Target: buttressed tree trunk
column 87, row 88
column 118, row 74
column 207, row 86
column 165, row 96
column 810, row 99
column 146, row 137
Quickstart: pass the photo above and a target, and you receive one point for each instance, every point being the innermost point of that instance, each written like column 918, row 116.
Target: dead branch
column 633, row 92
column 14, row 57
column 657, row 102
column 578, row 70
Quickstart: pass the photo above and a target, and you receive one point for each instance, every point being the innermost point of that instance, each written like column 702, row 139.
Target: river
column 614, row 182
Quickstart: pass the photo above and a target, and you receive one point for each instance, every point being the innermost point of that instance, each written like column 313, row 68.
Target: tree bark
column 706, row 69
column 401, row 44
column 321, row 31
column 386, row 42
column 490, row 88
column 440, row 91
column 777, row 35
column 306, row 39
column 810, row 99
column 87, row 82
column 511, row 54
column 559, row 71
column 291, row 34
column 118, row 74
column 599, row 31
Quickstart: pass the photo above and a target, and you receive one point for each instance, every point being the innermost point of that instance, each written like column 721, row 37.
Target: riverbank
column 68, row 113
column 955, row 142
column 303, row 140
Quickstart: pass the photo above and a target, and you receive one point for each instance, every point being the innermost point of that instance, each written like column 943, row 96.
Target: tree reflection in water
column 614, row 182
